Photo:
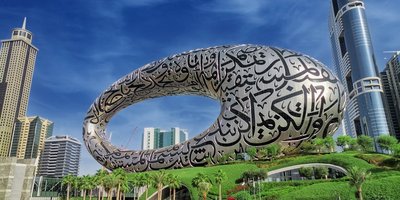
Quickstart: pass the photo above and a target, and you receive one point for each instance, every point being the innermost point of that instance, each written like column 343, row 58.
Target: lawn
column 382, row 184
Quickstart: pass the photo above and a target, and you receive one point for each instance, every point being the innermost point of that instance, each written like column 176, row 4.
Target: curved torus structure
column 267, row 95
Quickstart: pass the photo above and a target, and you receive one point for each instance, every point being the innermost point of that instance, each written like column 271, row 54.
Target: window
column 29, row 36
column 349, row 82
column 335, row 7
column 15, row 33
column 357, row 125
column 342, row 45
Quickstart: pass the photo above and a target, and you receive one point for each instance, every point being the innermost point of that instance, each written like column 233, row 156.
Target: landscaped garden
column 370, row 175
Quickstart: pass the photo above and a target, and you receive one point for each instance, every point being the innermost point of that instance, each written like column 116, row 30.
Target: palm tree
column 110, row 183
column 203, row 188
column 357, row 177
column 147, row 180
column 99, row 180
column 120, row 177
column 168, row 179
column 68, row 180
column 125, row 187
column 76, row 185
column 86, row 184
column 174, row 183
column 200, row 177
column 159, row 179
column 92, row 185
column 220, row 176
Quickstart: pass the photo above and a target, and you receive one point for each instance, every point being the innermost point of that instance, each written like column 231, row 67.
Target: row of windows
column 23, row 34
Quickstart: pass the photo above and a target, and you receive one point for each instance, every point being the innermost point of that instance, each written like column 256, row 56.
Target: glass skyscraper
column 154, row 138
column 391, row 84
column 356, row 67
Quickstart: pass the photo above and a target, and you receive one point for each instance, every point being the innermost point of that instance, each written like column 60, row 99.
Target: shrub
column 321, row 172
column 396, row 150
column 252, row 152
column 273, row 150
column 307, row 172
column 366, row 143
column 243, row 195
column 290, row 150
column 319, row 143
column 307, row 147
column 386, row 142
column 329, row 143
column 343, row 141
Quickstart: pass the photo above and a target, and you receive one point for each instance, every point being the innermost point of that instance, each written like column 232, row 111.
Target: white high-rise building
column 17, row 61
column 60, row 157
column 154, row 138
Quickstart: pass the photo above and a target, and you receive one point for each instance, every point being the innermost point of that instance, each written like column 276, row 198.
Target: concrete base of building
column 16, row 178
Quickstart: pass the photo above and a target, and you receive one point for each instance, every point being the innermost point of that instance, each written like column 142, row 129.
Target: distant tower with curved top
column 356, row 68
column 17, row 61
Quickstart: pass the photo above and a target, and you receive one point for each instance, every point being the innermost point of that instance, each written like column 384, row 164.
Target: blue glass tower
column 356, row 67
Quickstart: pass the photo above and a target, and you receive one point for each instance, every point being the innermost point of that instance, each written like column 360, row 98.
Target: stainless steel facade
column 267, row 94
column 356, row 68
column 391, row 84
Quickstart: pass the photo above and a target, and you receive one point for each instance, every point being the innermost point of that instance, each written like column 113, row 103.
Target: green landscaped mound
column 382, row 184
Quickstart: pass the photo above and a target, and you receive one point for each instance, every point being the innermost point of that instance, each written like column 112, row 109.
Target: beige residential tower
column 17, row 61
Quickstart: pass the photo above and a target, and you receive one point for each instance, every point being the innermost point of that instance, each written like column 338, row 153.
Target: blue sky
column 84, row 46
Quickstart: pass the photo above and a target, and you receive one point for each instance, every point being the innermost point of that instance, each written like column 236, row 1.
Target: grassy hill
column 383, row 183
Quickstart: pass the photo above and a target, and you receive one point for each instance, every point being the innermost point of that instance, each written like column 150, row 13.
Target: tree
column 254, row 175
column 365, row 142
column 76, row 184
column 252, row 152
column 110, row 182
column 343, row 141
column 68, row 180
column 86, row 184
column 386, row 142
column 330, row 143
column 357, row 177
column 353, row 144
column 160, row 179
column 204, row 187
column 99, row 179
column 120, row 177
column 306, row 172
column 396, row 150
column 307, row 147
column 273, row 150
column 174, row 183
column 243, row 195
column 125, row 187
column 220, row 176
column 262, row 153
column 200, row 177
column 321, row 172
column 148, row 180
column 319, row 144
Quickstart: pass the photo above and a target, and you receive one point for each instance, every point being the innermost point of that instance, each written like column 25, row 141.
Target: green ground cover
column 382, row 184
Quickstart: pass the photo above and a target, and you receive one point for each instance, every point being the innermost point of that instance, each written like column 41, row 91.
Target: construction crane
column 130, row 138
column 396, row 52
column 391, row 52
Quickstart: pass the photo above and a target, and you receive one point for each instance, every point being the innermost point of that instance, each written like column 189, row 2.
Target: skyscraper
column 29, row 136
column 154, row 138
column 391, row 84
column 356, row 68
column 17, row 61
column 60, row 157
